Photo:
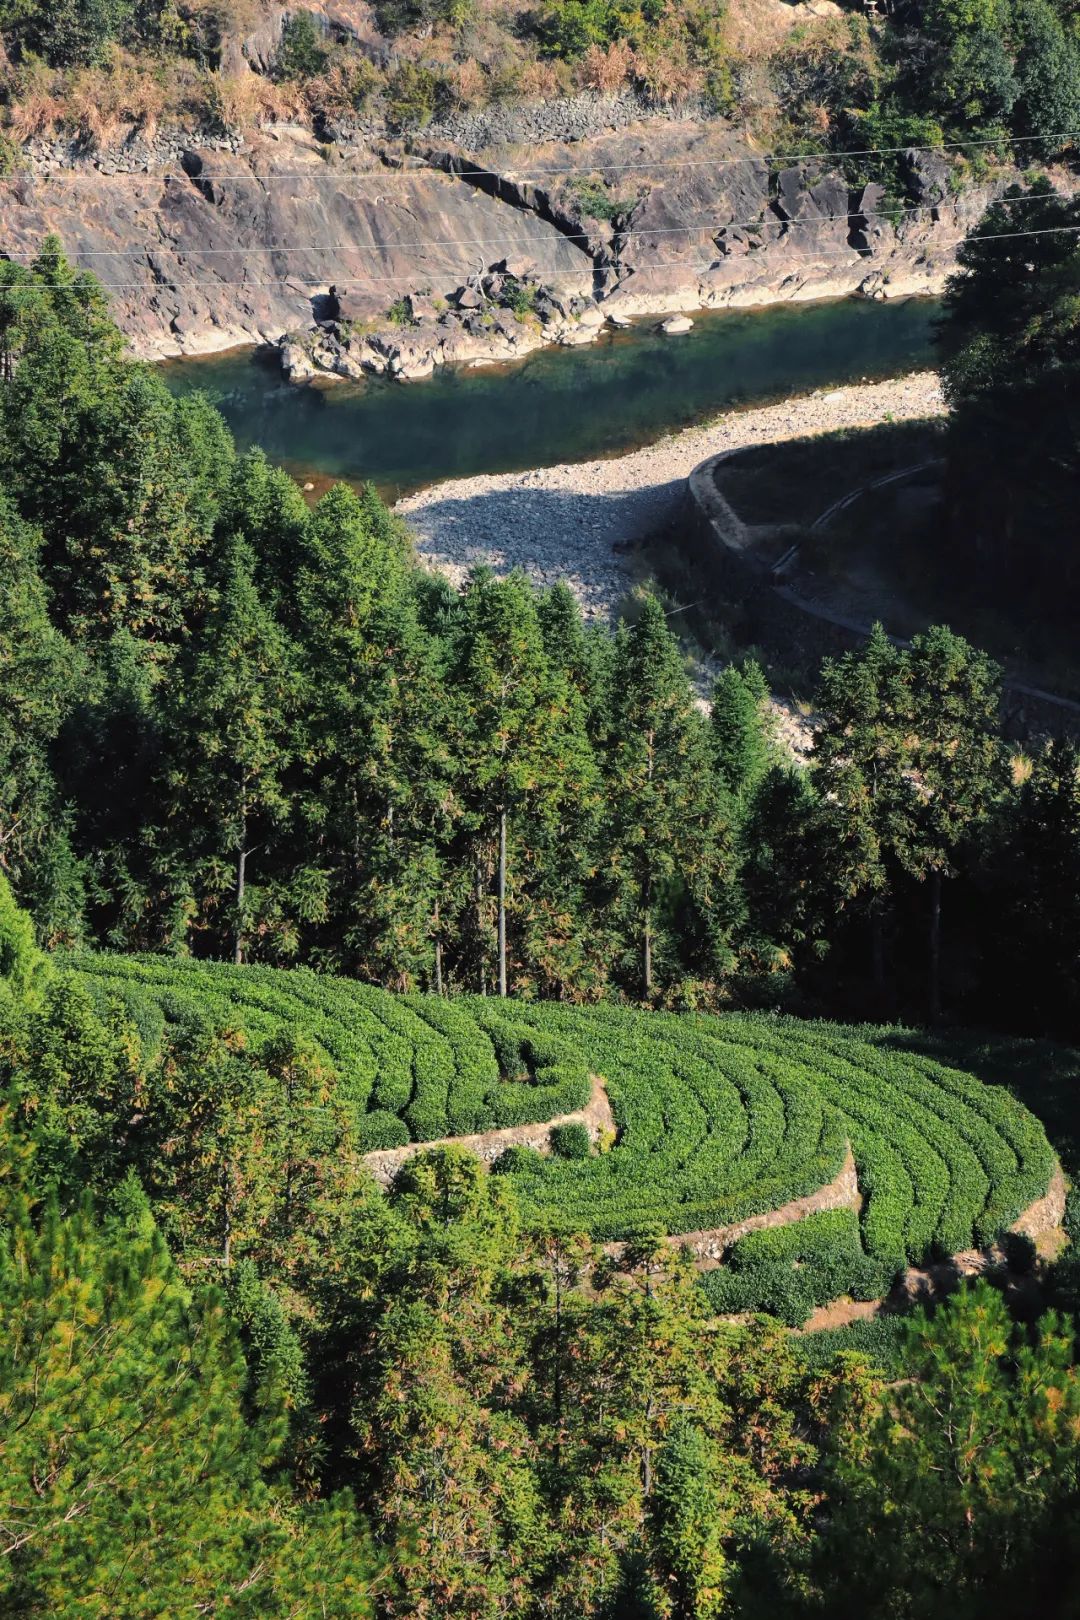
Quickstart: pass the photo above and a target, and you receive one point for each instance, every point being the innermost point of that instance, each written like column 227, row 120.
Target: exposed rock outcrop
column 239, row 242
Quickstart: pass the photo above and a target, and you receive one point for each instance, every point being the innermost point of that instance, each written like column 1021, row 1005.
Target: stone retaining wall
column 775, row 618
column 527, row 123
column 709, row 1247
column 596, row 1116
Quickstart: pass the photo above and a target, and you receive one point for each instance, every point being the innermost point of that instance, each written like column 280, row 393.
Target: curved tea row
column 719, row 1118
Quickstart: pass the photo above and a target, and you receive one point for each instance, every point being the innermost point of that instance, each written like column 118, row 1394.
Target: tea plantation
column 718, row 1118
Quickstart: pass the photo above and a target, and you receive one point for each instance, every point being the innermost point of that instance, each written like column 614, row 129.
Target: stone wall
column 596, row 1116
column 709, row 1248
column 566, row 118
column 801, row 633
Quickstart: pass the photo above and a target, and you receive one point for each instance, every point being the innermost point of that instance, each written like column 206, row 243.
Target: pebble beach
column 574, row 522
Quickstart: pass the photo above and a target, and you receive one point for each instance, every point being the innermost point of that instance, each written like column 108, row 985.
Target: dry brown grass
column 469, row 83
column 37, row 104
column 539, row 81
column 245, row 100
column 757, row 28
column 102, row 103
column 608, row 70
column 666, row 72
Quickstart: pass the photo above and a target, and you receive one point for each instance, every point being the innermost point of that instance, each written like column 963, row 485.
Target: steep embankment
column 240, row 242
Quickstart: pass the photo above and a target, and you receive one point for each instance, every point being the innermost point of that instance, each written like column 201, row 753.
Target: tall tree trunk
column 241, row 884
column 229, row 1178
column 480, row 926
column 502, row 902
column 877, row 947
column 646, row 944
column 935, row 946
column 438, row 953
column 646, row 890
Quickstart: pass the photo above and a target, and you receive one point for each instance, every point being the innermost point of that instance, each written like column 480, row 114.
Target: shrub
column 596, row 201
column 517, row 1161
column 400, row 313
column 302, row 53
column 520, row 297
column 412, row 96
column 571, row 1141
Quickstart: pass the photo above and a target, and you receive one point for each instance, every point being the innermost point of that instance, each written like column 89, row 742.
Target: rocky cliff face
column 235, row 243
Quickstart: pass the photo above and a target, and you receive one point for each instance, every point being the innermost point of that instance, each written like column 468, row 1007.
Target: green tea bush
column 788, row 1270
column 881, row 1339
column 571, row 1141
column 718, row 1118
column 518, row 1161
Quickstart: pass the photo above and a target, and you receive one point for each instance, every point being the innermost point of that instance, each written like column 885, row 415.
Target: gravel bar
column 571, row 522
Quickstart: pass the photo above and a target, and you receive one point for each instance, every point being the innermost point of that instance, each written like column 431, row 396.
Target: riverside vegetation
column 835, row 77
column 238, row 1377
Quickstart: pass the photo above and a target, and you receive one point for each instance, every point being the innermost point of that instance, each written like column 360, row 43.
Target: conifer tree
column 39, row 672
column 247, row 1151
column 233, row 735
column 374, row 797
column 957, row 764
column 784, row 868
column 662, row 794
column 742, row 727
column 862, row 760
column 131, row 1477
column 261, row 502
column 518, row 726
column 1032, row 874
column 973, row 1453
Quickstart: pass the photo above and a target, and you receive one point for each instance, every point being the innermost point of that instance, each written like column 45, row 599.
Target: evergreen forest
column 307, row 858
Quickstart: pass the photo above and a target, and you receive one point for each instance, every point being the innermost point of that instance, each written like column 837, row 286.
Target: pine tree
column 247, row 1152
column 452, row 1465
column 233, row 734
column 957, row 766
column 517, row 726
column 973, row 1453
column 664, row 801
column 131, row 1476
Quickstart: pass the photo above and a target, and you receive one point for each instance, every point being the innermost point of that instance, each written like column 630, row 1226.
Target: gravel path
column 568, row 522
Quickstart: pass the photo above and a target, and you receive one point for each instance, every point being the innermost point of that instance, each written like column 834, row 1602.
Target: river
column 557, row 405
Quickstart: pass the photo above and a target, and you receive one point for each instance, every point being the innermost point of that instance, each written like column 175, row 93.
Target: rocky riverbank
column 579, row 522
column 205, row 247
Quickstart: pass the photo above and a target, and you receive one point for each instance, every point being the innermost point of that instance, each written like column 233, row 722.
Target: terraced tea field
column 719, row 1118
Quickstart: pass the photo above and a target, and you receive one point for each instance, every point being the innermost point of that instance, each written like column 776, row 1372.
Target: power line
column 410, row 276
column 766, row 221
column 612, row 168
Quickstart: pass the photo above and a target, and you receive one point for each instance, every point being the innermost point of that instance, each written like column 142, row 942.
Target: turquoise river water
column 626, row 390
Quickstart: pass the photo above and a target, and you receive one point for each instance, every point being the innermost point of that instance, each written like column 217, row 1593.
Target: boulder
column 468, row 298
column 867, row 224
column 574, row 336
column 259, row 48
column 675, row 324
column 420, row 307
column 297, row 364
column 790, row 197
column 621, row 322
column 927, row 175
column 591, row 317
column 345, row 304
